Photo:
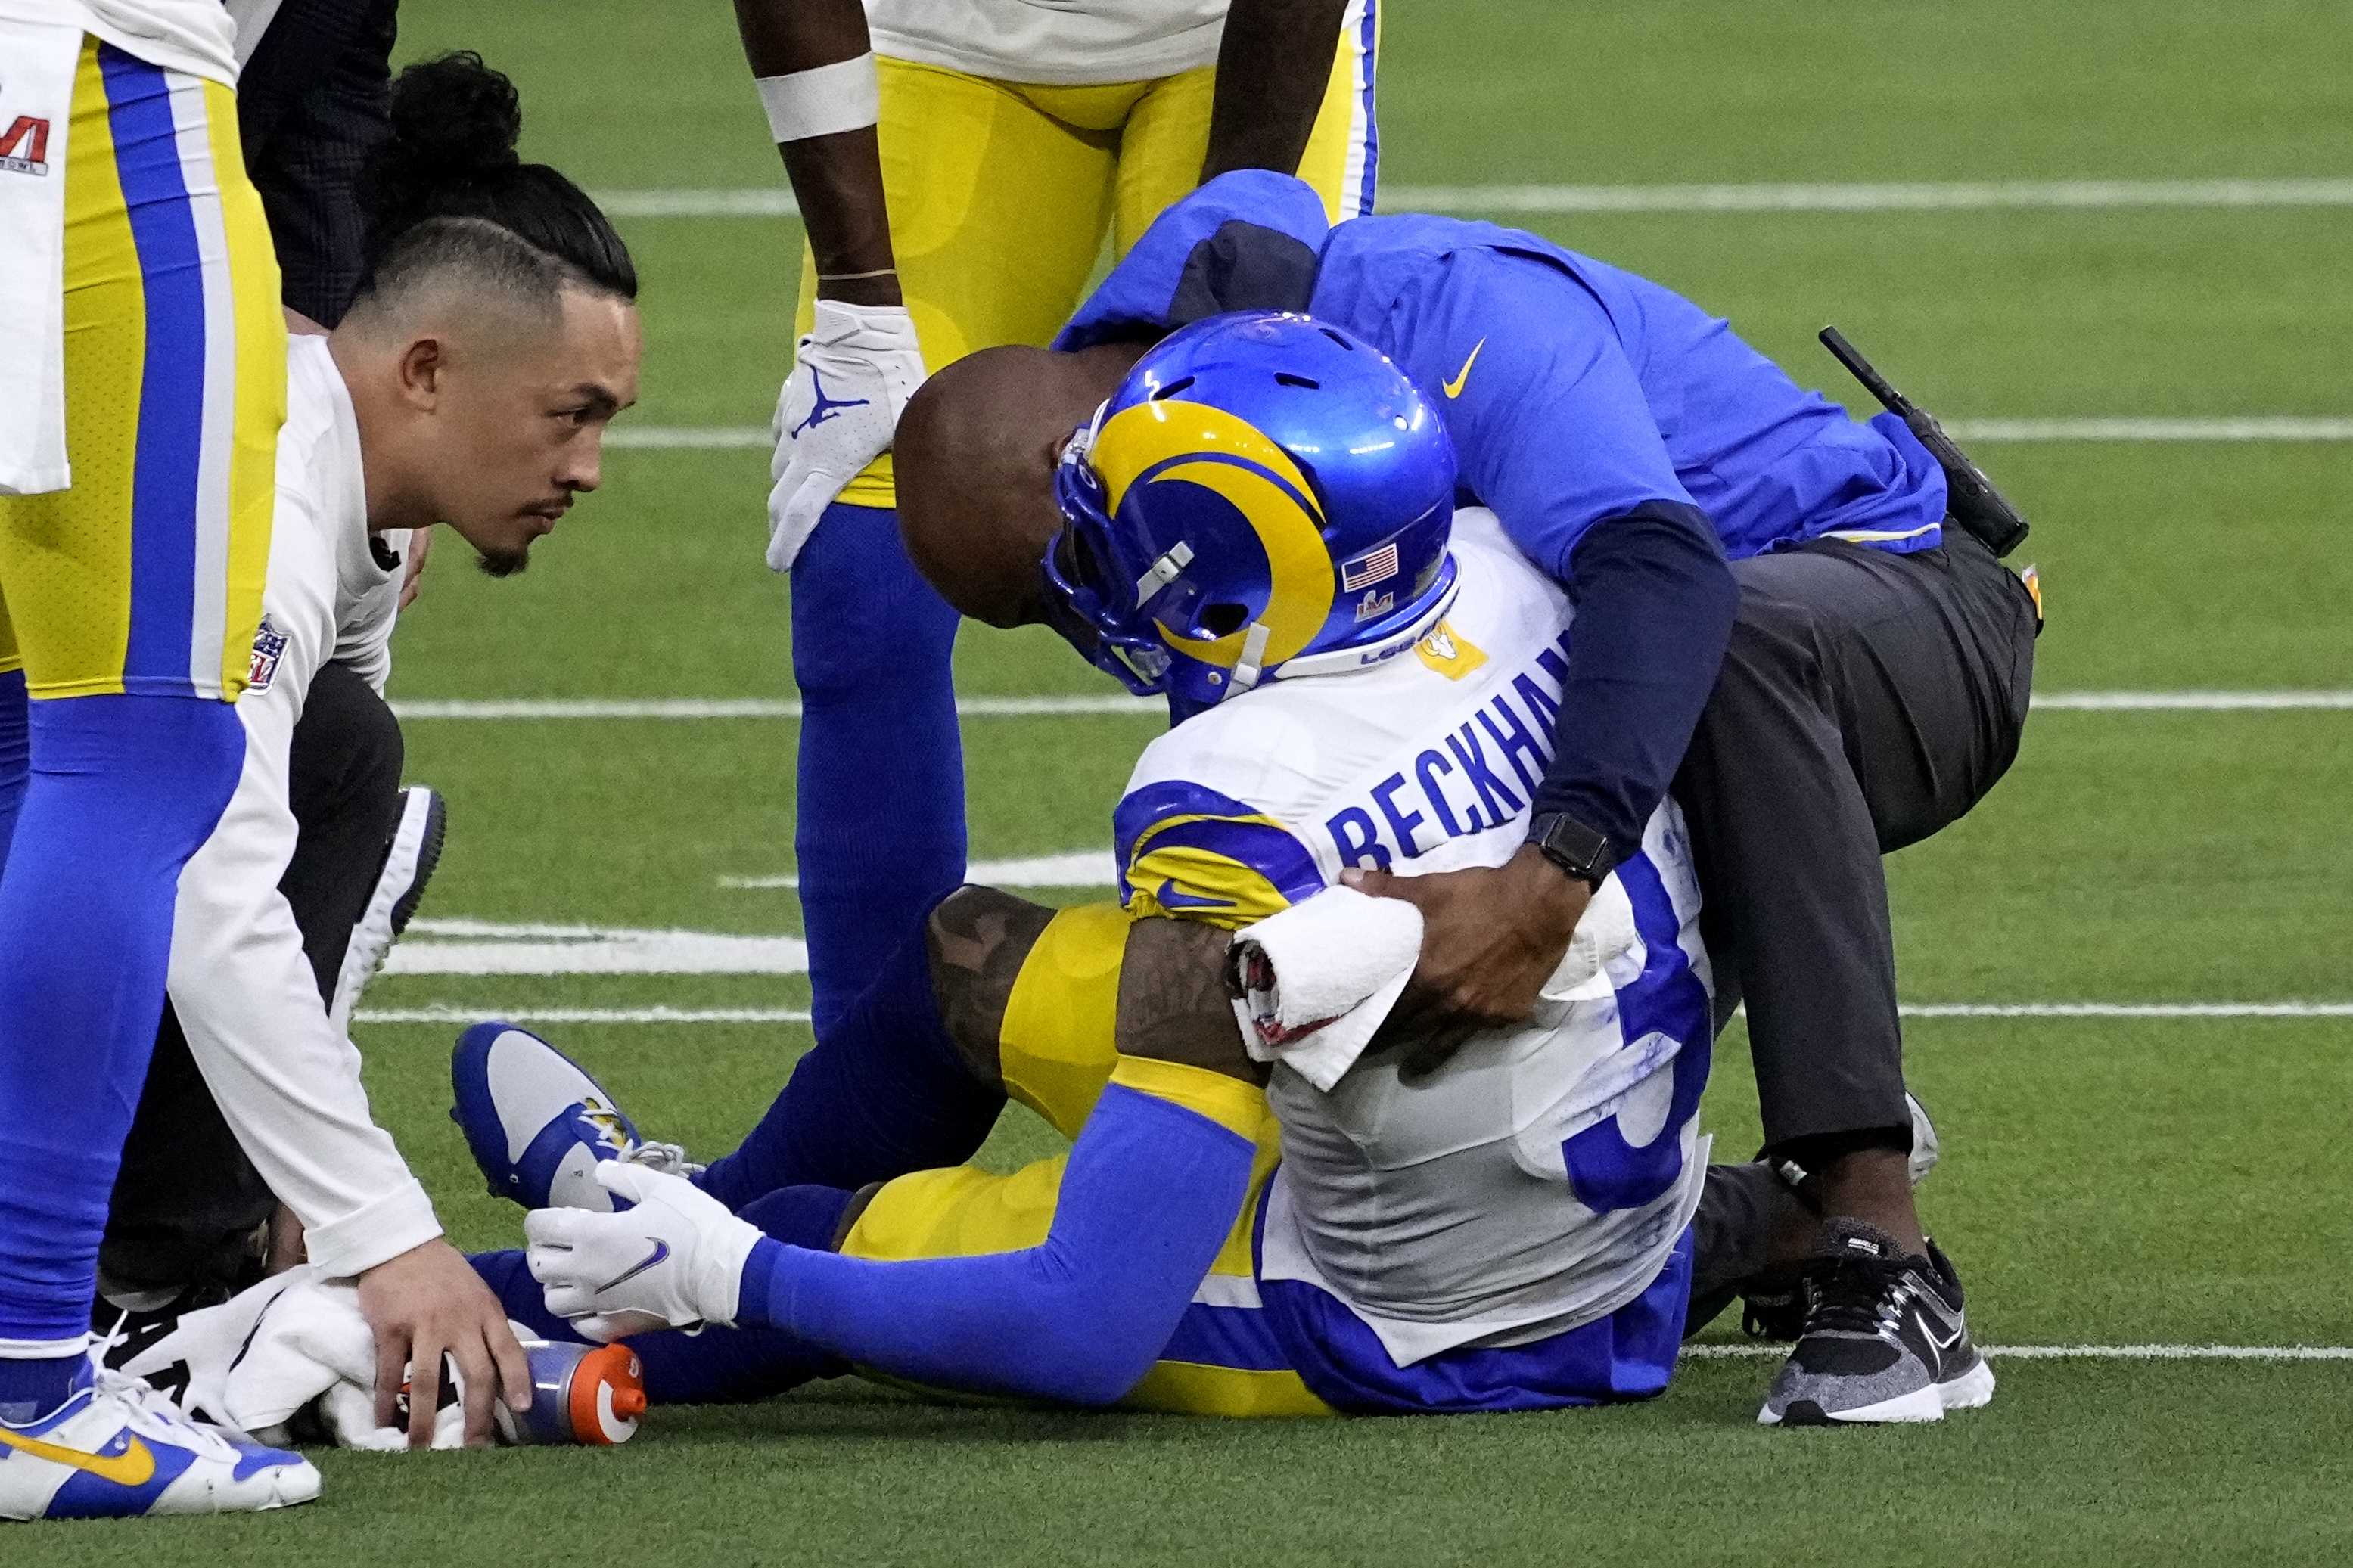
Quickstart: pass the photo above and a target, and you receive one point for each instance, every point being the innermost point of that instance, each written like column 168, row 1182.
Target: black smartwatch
column 1574, row 847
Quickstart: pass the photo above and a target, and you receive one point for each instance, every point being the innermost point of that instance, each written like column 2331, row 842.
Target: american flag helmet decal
column 1366, row 570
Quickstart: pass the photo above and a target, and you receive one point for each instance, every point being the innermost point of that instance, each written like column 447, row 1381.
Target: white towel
column 1311, row 984
column 39, row 80
column 1604, row 932
column 292, row 1341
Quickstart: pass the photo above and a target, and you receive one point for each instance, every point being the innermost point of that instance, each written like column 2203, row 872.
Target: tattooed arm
column 1172, row 999
column 1172, row 996
column 978, row 939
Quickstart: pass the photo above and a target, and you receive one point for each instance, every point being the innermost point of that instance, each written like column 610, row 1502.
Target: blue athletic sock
column 30, row 1389
column 717, row 1366
column 16, row 754
column 882, row 1093
column 122, row 790
column 880, row 831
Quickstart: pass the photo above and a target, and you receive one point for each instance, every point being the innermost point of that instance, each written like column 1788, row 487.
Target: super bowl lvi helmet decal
column 1265, row 496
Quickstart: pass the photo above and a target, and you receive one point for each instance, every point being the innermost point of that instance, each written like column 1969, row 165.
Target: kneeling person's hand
column 428, row 1302
column 1490, row 937
column 672, row 1260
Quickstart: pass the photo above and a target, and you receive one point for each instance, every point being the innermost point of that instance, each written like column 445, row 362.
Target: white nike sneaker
column 539, row 1125
column 409, row 859
column 119, row 1449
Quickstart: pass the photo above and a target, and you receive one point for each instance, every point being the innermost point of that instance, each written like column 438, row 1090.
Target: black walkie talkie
column 1975, row 504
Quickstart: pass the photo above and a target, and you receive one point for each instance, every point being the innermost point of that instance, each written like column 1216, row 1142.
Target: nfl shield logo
column 268, row 643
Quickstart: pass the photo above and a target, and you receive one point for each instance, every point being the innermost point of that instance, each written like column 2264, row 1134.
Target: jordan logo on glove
column 825, row 407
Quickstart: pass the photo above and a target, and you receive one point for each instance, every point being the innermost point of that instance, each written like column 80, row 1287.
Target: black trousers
column 187, row 1203
column 1867, row 700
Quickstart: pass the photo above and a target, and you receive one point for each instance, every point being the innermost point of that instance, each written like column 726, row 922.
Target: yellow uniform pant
column 145, row 577
column 1057, row 1053
column 1002, row 195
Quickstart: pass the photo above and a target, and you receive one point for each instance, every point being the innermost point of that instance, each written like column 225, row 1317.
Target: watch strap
column 1579, row 850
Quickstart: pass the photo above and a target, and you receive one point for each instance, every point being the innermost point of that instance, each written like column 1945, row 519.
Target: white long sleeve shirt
column 285, row 1079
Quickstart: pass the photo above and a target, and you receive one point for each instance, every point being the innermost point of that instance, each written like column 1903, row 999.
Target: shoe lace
column 151, row 1410
column 608, row 1125
column 1855, row 1295
column 669, row 1158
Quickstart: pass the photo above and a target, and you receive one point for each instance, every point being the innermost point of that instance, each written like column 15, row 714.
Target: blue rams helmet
column 1264, row 496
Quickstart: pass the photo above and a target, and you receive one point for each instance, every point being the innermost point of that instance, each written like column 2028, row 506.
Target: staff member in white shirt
column 470, row 384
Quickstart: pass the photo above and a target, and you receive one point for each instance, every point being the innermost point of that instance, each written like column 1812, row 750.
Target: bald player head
column 483, row 370
column 973, row 460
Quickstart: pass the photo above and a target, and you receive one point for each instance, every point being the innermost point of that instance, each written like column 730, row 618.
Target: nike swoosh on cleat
column 135, row 1467
column 1944, row 1345
column 1454, row 387
column 661, row 1251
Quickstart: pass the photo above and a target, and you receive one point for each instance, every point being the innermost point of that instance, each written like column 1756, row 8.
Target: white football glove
column 852, row 375
column 673, row 1259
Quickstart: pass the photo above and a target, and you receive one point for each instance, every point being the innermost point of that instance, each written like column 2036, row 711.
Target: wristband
column 821, row 102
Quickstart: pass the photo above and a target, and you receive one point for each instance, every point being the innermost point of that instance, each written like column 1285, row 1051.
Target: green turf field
column 2157, row 1181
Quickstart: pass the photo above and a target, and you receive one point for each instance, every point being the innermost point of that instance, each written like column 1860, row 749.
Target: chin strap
column 1248, row 668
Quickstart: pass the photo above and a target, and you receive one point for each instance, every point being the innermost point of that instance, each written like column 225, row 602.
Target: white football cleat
column 119, row 1449
column 539, row 1125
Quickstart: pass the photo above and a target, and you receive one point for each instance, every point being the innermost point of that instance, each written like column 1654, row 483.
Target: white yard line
column 2118, row 428
column 490, row 947
column 473, row 947
column 1071, row 868
column 2192, row 701
column 2127, row 1009
column 749, row 707
column 476, row 709
column 2129, row 429
column 2077, row 1353
column 691, row 437
column 1968, row 196
column 470, row 1013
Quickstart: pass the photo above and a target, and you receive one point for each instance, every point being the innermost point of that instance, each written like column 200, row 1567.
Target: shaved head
column 973, row 460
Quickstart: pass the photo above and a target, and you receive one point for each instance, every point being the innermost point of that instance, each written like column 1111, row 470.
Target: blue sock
column 122, row 790
column 718, row 1366
column 882, row 1093
column 880, row 831
column 16, row 754
column 31, row 1389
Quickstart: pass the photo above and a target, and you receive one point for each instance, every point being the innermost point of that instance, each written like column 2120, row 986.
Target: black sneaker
column 1883, row 1339
column 409, row 858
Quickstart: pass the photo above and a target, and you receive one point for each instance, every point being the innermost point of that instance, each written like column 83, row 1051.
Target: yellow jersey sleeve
column 1189, row 853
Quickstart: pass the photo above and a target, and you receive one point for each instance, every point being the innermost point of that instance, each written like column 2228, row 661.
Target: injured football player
column 1274, row 1205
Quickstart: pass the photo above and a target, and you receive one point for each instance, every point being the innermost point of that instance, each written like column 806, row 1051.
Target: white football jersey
column 1539, row 1179
column 1052, row 43
column 193, row 35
